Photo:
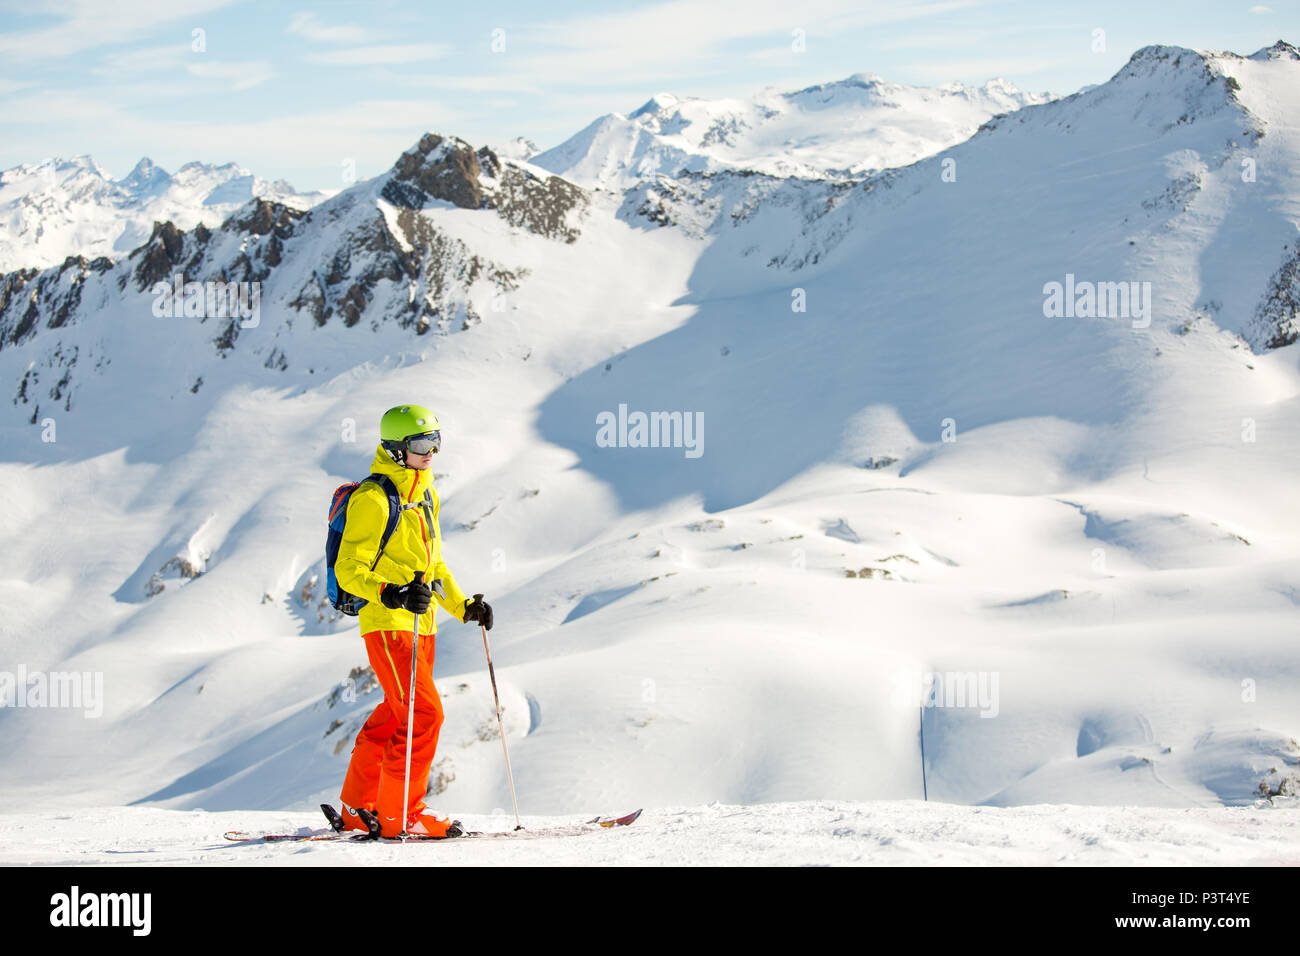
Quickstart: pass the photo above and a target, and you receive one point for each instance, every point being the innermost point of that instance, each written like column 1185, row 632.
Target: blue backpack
column 343, row 600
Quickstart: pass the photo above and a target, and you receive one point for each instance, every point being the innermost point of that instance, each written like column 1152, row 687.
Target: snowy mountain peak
column 998, row 85
column 145, row 169
column 658, row 103
column 864, row 79
column 145, row 177
column 432, row 147
column 54, row 168
column 441, row 167
column 1165, row 85
column 844, row 128
column 1281, row 50
column 520, row 148
column 448, row 169
column 1159, row 56
column 1172, row 64
column 195, row 169
column 84, row 162
column 849, row 86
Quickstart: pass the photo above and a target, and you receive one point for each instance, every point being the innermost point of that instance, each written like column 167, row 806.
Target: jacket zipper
column 424, row 530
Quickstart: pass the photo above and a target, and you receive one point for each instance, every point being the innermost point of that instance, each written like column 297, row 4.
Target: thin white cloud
column 777, row 56
column 504, row 83
column 380, row 54
column 90, row 24
column 938, row 72
column 971, row 38
column 683, row 38
column 149, row 59
column 241, row 76
column 1261, row 9
column 309, row 26
column 373, row 133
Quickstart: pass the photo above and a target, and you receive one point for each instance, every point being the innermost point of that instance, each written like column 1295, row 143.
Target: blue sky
column 300, row 91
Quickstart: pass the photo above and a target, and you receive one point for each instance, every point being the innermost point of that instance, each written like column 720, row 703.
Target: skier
column 410, row 435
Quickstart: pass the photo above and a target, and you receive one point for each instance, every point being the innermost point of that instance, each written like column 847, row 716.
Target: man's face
column 417, row 459
column 419, row 462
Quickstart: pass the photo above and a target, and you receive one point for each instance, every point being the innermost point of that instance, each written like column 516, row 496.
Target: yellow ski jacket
column 416, row 545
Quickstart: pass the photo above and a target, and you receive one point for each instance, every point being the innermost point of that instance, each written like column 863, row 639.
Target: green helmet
column 406, row 422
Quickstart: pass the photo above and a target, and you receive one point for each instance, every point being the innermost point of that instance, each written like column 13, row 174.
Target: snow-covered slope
column 814, row 833
column 72, row 207
column 905, row 468
column 847, row 128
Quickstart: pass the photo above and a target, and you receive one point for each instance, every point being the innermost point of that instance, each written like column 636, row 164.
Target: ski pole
column 500, row 728
column 410, row 714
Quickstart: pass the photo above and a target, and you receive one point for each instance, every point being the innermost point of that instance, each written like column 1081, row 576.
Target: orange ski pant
column 377, row 769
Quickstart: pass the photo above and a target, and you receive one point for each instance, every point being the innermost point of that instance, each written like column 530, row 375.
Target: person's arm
column 367, row 516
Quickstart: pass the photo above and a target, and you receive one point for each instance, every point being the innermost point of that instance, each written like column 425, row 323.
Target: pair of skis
column 337, row 832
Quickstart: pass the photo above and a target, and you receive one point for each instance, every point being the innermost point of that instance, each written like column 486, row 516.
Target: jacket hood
column 411, row 482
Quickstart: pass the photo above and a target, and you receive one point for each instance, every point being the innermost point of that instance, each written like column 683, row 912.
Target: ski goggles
column 424, row 444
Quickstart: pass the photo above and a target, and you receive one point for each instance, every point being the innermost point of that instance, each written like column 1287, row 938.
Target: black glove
column 414, row 597
column 478, row 611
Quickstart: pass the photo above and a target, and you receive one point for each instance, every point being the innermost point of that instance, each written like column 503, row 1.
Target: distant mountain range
column 68, row 207
column 851, row 127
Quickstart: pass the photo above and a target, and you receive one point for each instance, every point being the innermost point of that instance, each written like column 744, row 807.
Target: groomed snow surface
column 885, row 833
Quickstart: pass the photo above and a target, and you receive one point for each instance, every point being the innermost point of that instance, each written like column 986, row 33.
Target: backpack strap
column 427, row 507
column 394, row 511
